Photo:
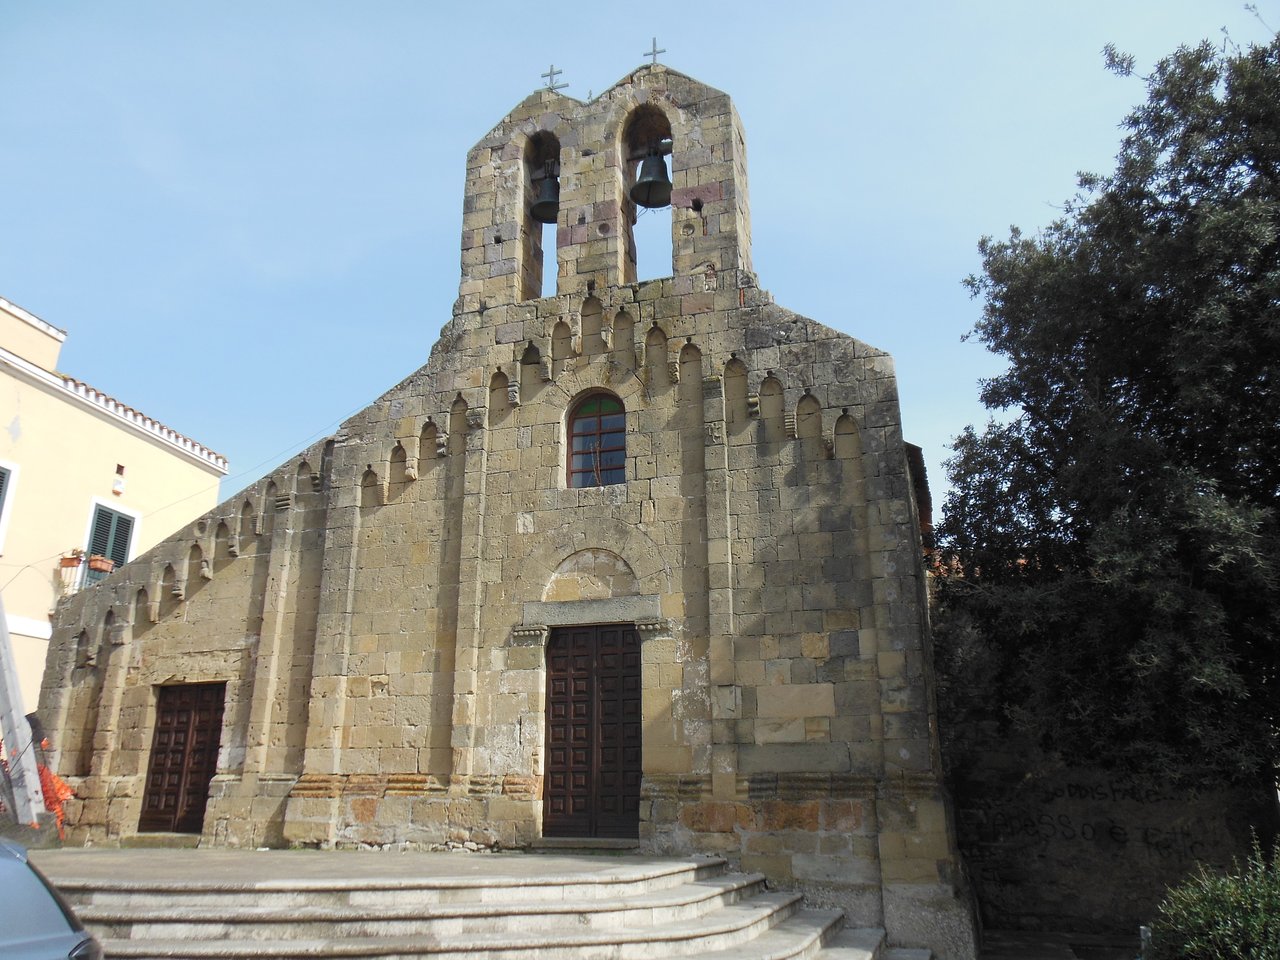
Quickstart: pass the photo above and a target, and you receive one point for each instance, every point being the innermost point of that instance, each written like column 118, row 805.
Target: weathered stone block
column 796, row 700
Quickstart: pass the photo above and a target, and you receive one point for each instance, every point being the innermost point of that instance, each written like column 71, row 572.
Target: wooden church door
column 592, row 782
column 184, row 757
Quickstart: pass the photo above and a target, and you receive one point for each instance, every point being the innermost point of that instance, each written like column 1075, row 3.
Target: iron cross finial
column 654, row 51
column 550, row 77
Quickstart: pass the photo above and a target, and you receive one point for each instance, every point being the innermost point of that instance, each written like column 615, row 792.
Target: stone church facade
column 633, row 560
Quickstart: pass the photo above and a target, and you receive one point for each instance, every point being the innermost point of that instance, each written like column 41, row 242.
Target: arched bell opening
column 646, row 150
column 541, row 211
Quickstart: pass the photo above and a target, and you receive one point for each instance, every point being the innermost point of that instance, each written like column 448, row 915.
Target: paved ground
column 270, row 867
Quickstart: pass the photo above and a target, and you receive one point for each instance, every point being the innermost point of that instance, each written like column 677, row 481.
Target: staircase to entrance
column 286, row 904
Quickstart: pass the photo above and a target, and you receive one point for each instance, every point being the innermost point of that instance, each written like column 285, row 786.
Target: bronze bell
column 547, row 206
column 652, row 188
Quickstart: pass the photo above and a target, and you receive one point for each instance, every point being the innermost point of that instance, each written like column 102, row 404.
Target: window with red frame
column 598, row 442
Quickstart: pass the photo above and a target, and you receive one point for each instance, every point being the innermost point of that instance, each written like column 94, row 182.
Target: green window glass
column 598, row 442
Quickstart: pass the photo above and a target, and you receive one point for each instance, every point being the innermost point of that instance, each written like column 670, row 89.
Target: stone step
column 161, row 841
column 271, row 922
column 729, row 930
column 621, row 879
column 601, row 846
column 908, row 953
column 855, row 943
column 801, row 936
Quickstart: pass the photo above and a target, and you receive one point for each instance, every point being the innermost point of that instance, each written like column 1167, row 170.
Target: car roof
column 15, row 850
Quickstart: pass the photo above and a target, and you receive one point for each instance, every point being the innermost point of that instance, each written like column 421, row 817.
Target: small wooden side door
column 184, row 757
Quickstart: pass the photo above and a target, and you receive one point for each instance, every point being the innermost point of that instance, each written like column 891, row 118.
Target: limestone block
column 796, row 700
column 817, row 728
column 667, row 759
column 833, row 869
column 890, row 664
column 780, row 731
column 786, row 758
column 778, row 866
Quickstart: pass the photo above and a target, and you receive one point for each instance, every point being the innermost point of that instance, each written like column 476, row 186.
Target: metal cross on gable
column 550, row 77
column 653, row 51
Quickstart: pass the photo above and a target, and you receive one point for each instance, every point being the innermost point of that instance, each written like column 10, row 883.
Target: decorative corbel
column 530, row 635
column 653, row 629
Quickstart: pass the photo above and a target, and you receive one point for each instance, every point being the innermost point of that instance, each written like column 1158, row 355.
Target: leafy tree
column 1228, row 916
column 1111, row 542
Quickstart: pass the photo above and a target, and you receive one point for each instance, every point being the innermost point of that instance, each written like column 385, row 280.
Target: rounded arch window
column 597, row 442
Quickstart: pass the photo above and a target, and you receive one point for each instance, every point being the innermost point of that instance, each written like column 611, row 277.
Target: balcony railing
column 78, row 571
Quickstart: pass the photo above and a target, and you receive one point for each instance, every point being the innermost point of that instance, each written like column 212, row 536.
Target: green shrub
column 1232, row 917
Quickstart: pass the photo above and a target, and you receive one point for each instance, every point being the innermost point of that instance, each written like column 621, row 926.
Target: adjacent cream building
column 80, row 474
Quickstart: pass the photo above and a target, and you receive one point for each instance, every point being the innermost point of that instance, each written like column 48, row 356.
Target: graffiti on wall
column 1085, row 846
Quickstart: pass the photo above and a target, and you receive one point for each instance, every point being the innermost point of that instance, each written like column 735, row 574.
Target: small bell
column 547, row 206
column 652, row 188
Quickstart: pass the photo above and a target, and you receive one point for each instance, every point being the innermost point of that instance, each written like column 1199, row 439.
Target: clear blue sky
column 247, row 215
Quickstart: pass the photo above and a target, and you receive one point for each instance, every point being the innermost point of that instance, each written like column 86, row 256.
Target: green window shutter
column 100, row 538
column 119, row 548
column 4, row 486
column 109, row 538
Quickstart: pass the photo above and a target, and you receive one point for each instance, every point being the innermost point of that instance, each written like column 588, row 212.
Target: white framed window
column 112, row 533
column 8, row 483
